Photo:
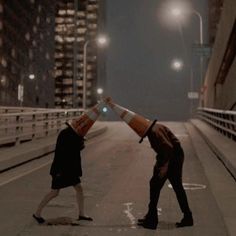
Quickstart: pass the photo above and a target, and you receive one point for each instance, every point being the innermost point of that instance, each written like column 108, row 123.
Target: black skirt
column 59, row 182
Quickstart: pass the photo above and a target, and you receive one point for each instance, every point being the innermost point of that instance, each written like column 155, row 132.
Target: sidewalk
column 222, row 146
column 13, row 156
column 207, row 142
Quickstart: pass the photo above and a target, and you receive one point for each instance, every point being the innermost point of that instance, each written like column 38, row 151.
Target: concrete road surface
column 116, row 177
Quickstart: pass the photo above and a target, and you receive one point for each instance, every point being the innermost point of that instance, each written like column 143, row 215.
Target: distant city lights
column 31, row 76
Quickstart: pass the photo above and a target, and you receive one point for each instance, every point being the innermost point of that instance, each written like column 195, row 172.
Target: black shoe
column 40, row 220
column 85, row 218
column 141, row 220
column 186, row 221
column 148, row 224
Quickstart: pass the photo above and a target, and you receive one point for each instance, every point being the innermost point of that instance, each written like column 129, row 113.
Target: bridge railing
column 223, row 121
column 17, row 127
column 5, row 109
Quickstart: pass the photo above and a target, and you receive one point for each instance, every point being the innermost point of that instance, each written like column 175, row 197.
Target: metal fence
column 21, row 125
column 223, row 121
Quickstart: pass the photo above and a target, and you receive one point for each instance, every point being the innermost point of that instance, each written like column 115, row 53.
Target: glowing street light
column 177, row 64
column 31, row 76
column 100, row 91
column 176, row 12
column 102, row 40
column 104, row 109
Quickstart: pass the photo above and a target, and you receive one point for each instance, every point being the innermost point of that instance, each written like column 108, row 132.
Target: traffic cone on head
column 83, row 123
column 138, row 123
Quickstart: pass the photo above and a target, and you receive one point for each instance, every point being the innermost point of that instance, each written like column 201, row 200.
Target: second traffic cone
column 83, row 123
column 138, row 123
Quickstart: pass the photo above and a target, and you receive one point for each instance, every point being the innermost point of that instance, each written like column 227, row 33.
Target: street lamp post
column 201, row 25
column 21, row 87
column 177, row 12
column 101, row 40
column 201, row 57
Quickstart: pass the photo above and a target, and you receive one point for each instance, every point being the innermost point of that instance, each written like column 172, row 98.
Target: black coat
column 67, row 159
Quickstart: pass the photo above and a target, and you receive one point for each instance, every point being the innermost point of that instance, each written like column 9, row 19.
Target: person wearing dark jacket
column 169, row 163
column 66, row 171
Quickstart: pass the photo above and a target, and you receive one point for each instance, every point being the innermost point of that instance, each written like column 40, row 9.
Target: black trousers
column 174, row 175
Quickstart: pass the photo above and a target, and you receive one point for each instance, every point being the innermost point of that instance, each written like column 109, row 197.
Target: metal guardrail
column 5, row 109
column 223, row 121
column 17, row 127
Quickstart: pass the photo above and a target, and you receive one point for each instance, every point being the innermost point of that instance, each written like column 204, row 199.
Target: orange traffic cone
column 138, row 123
column 83, row 123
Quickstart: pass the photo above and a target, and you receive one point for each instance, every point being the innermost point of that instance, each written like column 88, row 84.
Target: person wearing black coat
column 169, row 165
column 66, row 171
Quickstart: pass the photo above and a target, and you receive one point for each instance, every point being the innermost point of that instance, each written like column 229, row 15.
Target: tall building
column 76, row 23
column 220, row 82
column 27, row 52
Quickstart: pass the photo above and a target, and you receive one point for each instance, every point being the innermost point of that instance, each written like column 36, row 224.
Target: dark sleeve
column 173, row 138
column 164, row 155
column 165, row 151
column 57, row 164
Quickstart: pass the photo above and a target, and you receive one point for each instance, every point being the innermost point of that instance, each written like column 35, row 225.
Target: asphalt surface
column 116, row 170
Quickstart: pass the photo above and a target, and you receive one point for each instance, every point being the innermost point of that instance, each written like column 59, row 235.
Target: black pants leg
column 156, row 184
column 175, row 178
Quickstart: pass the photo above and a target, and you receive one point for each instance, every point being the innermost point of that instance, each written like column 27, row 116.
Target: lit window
column 47, row 56
column 27, row 36
column 38, row 20
column 13, row 52
column 59, row 39
column 3, row 80
column 39, row 8
column 61, row 12
column 70, row 12
column 35, row 29
column 4, row 62
column 48, row 20
column 31, row 55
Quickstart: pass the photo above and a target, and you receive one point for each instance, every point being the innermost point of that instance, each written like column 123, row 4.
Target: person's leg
column 47, row 198
column 151, row 219
column 175, row 178
column 156, row 184
column 80, row 202
column 177, row 185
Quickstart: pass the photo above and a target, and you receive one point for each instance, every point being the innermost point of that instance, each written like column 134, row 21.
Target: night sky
column 142, row 46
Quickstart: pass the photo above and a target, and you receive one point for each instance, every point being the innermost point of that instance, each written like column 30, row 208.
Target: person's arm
column 164, row 155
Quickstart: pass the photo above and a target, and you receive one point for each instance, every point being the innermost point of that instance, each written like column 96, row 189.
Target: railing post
column 33, row 126
column 18, row 129
column 46, row 124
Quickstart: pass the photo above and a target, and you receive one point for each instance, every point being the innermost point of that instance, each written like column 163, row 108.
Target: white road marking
column 191, row 186
column 129, row 214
